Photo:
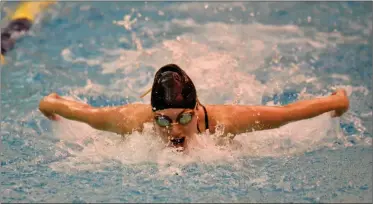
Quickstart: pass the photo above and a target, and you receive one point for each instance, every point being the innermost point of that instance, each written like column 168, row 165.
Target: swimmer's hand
column 341, row 98
column 47, row 108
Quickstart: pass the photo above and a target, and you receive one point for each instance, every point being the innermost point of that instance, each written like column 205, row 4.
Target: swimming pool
column 244, row 52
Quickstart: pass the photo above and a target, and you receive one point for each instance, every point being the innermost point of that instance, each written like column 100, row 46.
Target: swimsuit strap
column 206, row 119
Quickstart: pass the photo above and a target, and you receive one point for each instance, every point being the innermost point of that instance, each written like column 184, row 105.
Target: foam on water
column 87, row 148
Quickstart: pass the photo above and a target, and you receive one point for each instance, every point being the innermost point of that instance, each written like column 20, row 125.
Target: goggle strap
column 146, row 93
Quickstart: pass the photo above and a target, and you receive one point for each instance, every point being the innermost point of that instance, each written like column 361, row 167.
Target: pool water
column 269, row 53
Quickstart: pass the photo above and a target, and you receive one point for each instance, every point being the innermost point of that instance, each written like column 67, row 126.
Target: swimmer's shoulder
column 224, row 115
column 220, row 111
column 137, row 111
column 217, row 116
column 226, row 110
column 131, row 117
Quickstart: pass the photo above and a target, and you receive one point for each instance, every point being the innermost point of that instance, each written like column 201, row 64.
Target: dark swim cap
column 172, row 88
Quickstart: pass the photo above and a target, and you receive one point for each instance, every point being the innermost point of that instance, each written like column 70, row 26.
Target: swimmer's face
column 176, row 126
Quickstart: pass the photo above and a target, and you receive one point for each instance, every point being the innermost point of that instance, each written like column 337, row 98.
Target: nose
column 175, row 131
column 176, row 137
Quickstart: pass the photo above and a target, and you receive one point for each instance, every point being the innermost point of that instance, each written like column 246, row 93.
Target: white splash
column 126, row 22
column 97, row 149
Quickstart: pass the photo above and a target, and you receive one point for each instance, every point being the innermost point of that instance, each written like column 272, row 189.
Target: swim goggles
column 183, row 119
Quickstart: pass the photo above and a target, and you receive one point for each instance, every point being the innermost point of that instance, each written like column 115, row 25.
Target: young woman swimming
column 178, row 116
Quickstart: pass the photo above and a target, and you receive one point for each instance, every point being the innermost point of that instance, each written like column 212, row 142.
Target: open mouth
column 178, row 141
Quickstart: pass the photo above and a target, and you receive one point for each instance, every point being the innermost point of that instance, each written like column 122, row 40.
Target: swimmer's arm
column 250, row 118
column 121, row 119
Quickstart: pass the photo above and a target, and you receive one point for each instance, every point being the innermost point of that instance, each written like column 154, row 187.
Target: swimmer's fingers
column 54, row 96
column 46, row 107
column 335, row 114
column 342, row 100
column 54, row 117
column 340, row 92
column 338, row 113
column 51, row 116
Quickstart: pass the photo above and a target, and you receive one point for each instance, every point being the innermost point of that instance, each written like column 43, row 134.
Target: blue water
column 264, row 52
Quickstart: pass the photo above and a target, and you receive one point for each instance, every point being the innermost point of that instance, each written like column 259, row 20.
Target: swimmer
column 178, row 115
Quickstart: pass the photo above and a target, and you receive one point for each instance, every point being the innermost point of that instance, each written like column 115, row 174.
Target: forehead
column 170, row 111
